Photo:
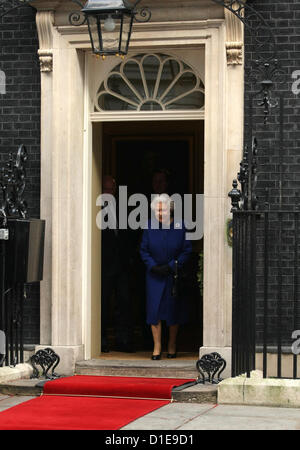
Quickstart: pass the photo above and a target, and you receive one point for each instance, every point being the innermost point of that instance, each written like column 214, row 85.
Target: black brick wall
column 278, row 162
column 20, row 122
column 274, row 155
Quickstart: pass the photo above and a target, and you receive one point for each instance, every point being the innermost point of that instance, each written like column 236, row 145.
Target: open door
column 131, row 151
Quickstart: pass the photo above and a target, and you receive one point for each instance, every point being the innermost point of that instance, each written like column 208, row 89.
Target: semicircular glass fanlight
column 151, row 82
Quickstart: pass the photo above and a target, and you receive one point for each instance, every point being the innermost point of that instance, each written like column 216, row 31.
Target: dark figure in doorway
column 115, row 279
column 161, row 181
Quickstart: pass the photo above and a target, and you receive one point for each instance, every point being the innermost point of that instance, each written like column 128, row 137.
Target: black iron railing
column 13, row 325
column 21, row 256
column 243, row 296
column 266, row 302
column 12, row 184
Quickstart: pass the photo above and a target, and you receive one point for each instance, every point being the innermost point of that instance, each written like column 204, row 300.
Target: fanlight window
column 151, row 83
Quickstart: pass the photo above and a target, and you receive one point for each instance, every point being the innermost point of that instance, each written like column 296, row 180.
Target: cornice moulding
column 151, row 35
column 47, row 5
column 149, row 27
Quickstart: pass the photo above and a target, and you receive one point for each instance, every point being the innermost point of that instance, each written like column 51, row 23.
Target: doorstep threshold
column 164, row 368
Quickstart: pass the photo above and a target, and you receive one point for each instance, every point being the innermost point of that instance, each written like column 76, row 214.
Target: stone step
column 194, row 394
column 207, row 393
column 164, row 368
column 138, row 368
column 21, row 387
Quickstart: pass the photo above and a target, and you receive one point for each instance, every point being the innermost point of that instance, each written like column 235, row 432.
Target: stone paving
column 193, row 416
column 7, row 401
column 183, row 416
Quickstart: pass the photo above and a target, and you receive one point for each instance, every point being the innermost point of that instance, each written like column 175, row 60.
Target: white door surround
column 67, row 164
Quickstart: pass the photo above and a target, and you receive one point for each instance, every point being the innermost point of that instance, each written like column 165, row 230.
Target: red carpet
column 90, row 403
column 136, row 387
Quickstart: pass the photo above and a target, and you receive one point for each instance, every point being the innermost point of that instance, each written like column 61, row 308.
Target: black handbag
column 180, row 280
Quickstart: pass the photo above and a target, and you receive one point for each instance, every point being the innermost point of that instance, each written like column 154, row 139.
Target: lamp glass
column 110, row 33
column 94, row 35
column 109, row 24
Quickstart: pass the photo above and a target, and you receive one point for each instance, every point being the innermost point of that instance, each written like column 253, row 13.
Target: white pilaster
column 225, row 165
column 44, row 21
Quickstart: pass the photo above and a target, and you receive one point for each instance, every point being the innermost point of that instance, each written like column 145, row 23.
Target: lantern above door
column 110, row 24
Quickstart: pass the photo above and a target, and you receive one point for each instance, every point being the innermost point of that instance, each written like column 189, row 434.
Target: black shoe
column 171, row 355
column 125, row 348
column 156, row 357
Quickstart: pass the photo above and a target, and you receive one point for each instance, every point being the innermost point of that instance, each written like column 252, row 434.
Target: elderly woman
column 163, row 244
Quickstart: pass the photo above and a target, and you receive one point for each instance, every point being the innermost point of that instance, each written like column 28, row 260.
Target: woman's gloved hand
column 163, row 270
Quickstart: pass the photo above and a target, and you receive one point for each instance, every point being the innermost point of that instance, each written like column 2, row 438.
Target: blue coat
column 158, row 247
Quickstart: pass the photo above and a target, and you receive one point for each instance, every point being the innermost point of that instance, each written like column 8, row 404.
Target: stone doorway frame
column 66, row 143
column 108, row 133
